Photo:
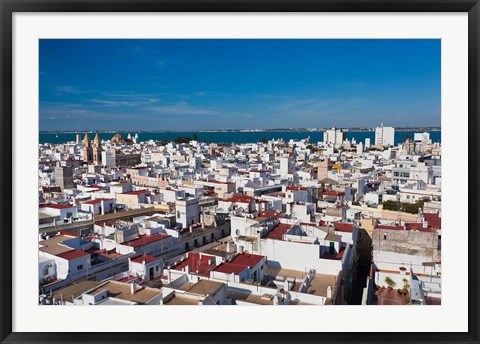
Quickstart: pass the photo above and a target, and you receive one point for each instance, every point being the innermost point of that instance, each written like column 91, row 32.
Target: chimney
column 133, row 286
column 187, row 269
column 190, row 228
column 329, row 292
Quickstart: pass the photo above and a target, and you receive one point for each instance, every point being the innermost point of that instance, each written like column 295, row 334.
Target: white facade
column 384, row 136
column 47, row 269
column 286, row 166
column 187, row 212
column 422, row 137
column 334, row 136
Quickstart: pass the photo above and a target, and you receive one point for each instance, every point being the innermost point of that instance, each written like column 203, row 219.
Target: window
column 79, row 267
column 178, row 214
column 212, row 236
column 156, row 268
column 45, row 270
column 384, row 237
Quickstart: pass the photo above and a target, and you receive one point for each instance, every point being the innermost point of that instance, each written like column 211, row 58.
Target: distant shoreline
column 279, row 130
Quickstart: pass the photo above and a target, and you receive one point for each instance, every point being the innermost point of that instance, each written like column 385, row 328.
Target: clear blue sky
column 231, row 84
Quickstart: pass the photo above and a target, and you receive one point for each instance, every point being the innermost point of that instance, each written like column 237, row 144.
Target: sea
column 233, row 136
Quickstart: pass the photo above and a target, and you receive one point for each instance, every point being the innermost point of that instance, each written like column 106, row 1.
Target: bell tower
column 87, row 150
column 97, row 149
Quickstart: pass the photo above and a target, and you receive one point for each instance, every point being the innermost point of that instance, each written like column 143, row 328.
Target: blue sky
column 232, row 84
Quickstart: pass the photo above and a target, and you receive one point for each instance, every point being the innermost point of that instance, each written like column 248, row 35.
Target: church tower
column 87, row 150
column 97, row 149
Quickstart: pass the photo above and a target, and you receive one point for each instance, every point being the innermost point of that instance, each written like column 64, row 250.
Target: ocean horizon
column 231, row 137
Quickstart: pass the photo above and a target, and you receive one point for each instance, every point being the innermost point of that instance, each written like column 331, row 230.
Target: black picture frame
column 9, row 7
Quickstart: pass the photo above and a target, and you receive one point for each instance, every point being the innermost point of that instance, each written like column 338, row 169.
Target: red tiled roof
column 344, row 227
column 270, row 213
column 97, row 200
column 72, row 255
column 333, row 193
column 144, row 258
column 228, row 268
column 278, row 231
column 414, row 226
column 247, row 259
column 239, row 199
column 136, row 192
column 145, row 240
column 193, row 260
column 239, row 263
column 433, row 220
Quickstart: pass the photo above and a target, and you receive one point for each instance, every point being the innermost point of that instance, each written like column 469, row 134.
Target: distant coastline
column 278, row 130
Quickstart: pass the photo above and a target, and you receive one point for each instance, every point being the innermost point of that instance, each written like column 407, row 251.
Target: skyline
column 234, row 84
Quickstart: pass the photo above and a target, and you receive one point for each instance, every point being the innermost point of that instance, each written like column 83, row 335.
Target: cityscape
column 311, row 214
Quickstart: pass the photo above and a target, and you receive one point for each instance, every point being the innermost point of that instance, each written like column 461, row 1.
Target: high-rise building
column 384, row 136
column 334, row 136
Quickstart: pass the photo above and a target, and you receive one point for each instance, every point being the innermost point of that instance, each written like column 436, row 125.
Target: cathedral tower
column 97, row 149
column 87, row 150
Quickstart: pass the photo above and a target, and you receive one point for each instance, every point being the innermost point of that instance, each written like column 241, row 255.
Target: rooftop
column 72, row 255
column 196, row 264
column 75, row 290
column 144, row 258
column 122, row 291
column 320, row 283
column 145, row 240
column 205, row 287
column 180, row 300
column 251, row 298
column 278, row 231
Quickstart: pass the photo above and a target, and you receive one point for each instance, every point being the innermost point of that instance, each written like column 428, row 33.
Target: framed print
column 222, row 171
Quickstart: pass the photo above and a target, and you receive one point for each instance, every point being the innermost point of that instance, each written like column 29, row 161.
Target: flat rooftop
column 75, row 290
column 122, row 291
column 179, row 300
column 250, row 298
column 55, row 240
column 297, row 274
column 320, row 283
column 388, row 296
column 205, row 287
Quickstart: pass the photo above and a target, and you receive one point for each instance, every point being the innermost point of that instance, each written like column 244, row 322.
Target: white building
column 334, row 136
column 286, row 166
column 384, row 136
column 422, row 137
